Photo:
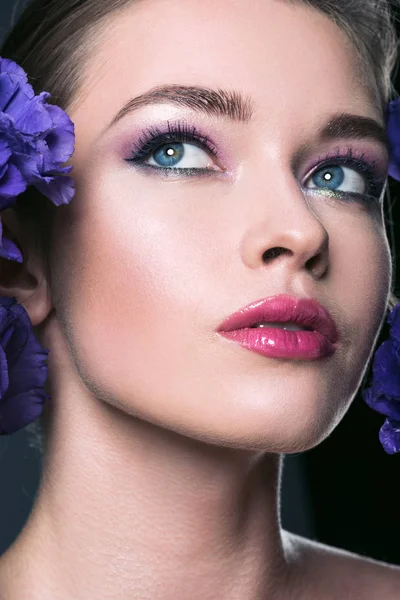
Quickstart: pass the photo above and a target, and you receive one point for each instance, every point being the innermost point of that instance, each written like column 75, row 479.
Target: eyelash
column 368, row 169
column 154, row 137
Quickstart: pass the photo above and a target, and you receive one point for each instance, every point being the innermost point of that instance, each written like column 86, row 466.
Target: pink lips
column 316, row 342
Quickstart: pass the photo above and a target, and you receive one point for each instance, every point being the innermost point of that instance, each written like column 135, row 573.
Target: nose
column 284, row 228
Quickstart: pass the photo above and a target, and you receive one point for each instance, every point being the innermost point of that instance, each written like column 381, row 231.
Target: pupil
column 329, row 177
column 168, row 155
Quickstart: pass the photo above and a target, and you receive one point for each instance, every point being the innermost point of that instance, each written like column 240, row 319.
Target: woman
column 230, row 159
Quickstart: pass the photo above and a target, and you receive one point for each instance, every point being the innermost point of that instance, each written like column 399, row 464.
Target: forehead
column 289, row 58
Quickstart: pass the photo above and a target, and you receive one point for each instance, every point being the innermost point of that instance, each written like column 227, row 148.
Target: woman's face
column 153, row 254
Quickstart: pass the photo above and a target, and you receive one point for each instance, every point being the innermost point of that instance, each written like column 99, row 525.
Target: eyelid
column 374, row 186
column 178, row 131
column 352, row 157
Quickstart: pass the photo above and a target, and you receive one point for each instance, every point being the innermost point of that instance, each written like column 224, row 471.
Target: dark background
column 343, row 493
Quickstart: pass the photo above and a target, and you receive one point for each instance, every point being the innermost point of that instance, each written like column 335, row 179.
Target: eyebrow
column 354, row 127
column 234, row 106
column 221, row 103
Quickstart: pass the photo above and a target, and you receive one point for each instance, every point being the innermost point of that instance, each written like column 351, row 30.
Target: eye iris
column 329, row 178
column 169, row 155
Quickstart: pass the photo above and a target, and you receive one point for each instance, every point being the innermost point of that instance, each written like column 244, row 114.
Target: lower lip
column 282, row 343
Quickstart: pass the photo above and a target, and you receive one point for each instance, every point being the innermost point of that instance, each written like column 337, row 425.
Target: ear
column 27, row 280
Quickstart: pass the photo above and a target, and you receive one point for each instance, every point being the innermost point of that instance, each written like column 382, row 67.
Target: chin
column 260, row 427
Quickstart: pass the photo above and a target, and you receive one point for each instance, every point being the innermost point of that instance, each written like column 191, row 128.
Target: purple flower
column 384, row 393
column 389, row 436
column 36, row 138
column 23, row 369
column 393, row 130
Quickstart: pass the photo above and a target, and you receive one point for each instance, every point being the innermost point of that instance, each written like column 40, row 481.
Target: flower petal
column 8, row 88
column 60, row 190
column 19, row 411
column 12, row 184
column 4, row 379
column 386, row 371
column 14, row 71
column 23, row 368
column 28, row 165
column 393, row 129
column 384, row 405
column 31, row 117
column 5, row 152
column 61, row 138
column 389, row 436
column 10, row 251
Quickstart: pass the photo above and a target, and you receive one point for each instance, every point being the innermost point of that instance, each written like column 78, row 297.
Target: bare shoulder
column 341, row 574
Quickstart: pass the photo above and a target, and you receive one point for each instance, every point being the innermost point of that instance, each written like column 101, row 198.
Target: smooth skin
column 161, row 479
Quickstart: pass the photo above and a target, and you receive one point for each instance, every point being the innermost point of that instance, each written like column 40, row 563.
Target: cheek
column 361, row 279
column 138, row 282
column 366, row 262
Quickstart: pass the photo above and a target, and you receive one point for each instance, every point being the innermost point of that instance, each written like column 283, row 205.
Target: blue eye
column 178, row 151
column 176, row 154
column 168, row 155
column 337, row 178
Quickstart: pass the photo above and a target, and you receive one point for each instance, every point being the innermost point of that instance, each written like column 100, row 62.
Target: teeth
column 288, row 326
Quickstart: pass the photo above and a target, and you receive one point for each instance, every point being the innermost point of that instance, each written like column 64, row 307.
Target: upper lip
column 305, row 312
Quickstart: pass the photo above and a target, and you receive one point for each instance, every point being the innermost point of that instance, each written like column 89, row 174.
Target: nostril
column 273, row 253
column 316, row 265
column 310, row 264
